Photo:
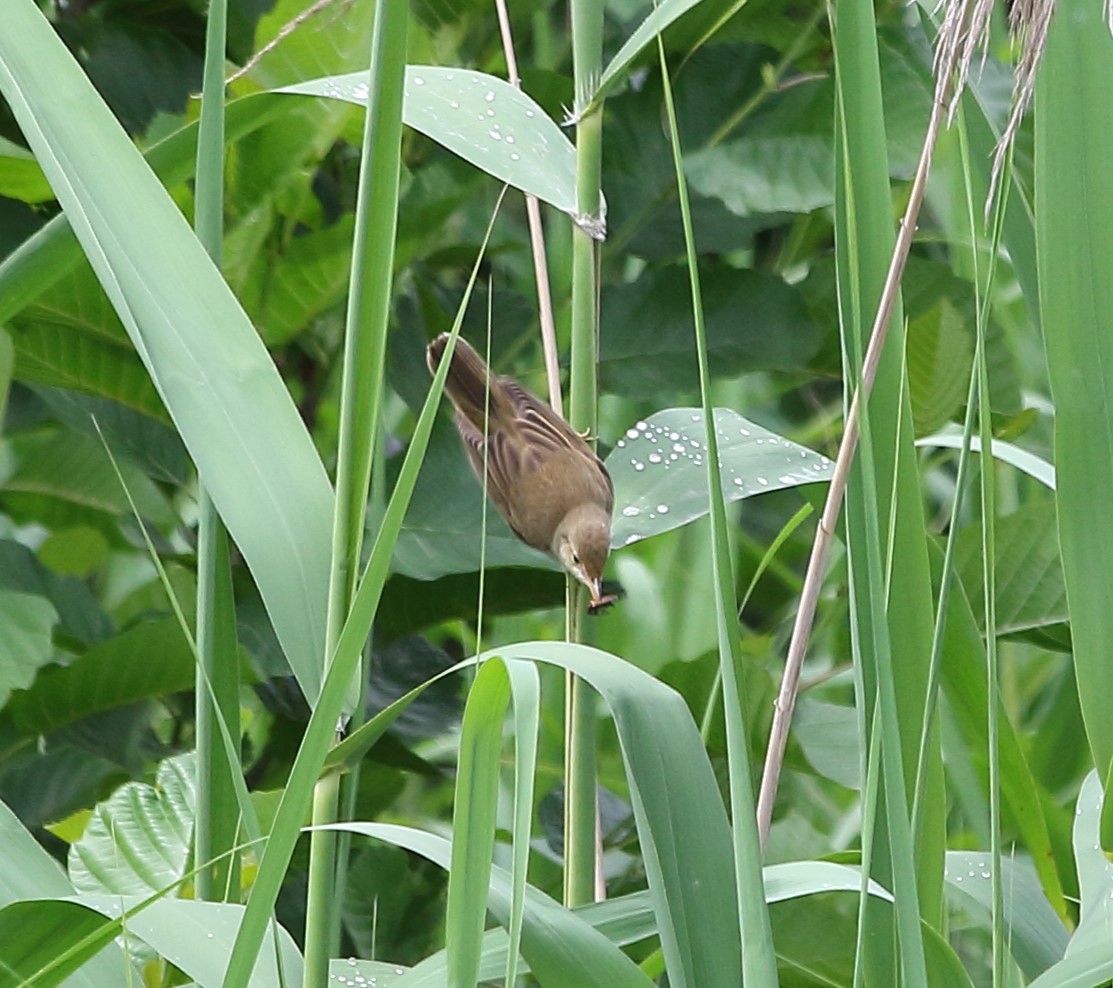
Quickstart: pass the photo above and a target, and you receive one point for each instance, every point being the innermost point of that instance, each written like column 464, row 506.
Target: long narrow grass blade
column 1074, row 230
column 52, row 252
column 759, row 963
column 212, row 371
column 473, row 822
column 674, row 794
column 526, row 687
column 891, row 616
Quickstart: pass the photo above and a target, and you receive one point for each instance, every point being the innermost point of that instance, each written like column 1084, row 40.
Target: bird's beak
column 596, row 588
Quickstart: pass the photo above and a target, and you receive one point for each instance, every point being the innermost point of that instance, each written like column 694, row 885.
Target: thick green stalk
column 217, row 815
column 579, row 794
column 361, row 397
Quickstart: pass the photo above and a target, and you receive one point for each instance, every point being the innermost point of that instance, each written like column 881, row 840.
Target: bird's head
column 581, row 544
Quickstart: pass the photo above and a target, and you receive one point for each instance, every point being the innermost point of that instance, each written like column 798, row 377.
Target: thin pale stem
column 813, row 580
column 536, row 239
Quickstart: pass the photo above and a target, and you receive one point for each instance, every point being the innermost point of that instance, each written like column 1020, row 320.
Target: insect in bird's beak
column 599, row 600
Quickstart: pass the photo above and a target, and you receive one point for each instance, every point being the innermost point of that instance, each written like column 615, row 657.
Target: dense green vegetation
column 359, row 572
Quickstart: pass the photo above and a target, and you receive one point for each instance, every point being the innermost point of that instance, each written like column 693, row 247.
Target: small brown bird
column 545, row 480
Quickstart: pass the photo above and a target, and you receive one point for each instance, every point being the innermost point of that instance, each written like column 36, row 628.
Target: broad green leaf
column 74, row 469
column 754, row 322
column 25, row 645
column 69, row 336
column 480, row 117
column 765, row 173
column 148, row 660
column 784, row 159
column 213, row 373
column 659, row 476
column 1036, row 935
column 132, row 436
column 54, row 936
column 138, row 841
column 940, row 356
column 80, row 615
column 26, row 872
column 1028, row 573
column 828, row 735
column 308, row 278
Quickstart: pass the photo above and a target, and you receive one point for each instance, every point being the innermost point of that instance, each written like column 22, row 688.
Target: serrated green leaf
column 139, row 840
column 940, row 354
column 1027, row 571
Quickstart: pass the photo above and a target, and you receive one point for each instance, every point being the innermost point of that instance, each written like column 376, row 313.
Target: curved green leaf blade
column 682, row 824
column 562, row 949
column 1039, row 469
column 212, row 371
column 26, row 870
column 661, row 17
column 473, row 821
column 1037, row 937
column 483, row 119
column 659, row 476
column 55, row 936
column 150, row 659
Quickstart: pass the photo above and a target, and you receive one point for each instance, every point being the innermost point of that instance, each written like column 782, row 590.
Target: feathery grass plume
column 965, row 31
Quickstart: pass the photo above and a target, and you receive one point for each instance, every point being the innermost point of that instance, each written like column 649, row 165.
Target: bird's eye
column 575, row 559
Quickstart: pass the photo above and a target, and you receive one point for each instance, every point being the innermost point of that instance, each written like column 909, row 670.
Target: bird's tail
column 468, row 381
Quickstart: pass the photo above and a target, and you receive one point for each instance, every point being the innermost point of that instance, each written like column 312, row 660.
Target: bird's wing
column 503, row 466
column 546, row 432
